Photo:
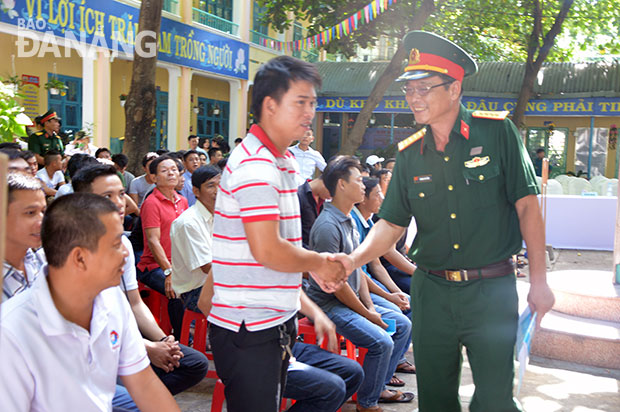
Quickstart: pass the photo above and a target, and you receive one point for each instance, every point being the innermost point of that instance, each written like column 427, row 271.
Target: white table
column 581, row 222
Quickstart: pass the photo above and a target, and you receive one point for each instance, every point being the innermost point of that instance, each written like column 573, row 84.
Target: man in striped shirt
column 257, row 254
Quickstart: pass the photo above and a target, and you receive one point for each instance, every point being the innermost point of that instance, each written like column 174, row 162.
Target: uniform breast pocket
column 421, row 196
column 483, row 185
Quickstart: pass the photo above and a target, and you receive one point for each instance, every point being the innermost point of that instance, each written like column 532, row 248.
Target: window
column 159, row 136
column 554, row 143
column 213, row 117
column 68, row 106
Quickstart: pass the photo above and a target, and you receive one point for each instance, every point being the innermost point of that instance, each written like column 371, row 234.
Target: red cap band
column 433, row 63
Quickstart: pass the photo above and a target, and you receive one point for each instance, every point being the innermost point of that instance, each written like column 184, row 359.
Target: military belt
column 494, row 270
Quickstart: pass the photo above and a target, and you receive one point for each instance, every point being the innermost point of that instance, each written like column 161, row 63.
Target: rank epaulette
column 402, row 145
column 481, row 114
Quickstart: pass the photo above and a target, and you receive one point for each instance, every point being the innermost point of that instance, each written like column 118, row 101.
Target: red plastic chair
column 217, row 402
column 158, row 305
column 200, row 336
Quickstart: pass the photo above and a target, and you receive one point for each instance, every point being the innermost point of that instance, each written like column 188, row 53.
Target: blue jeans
column 122, row 401
column 384, row 351
column 402, row 279
column 320, row 380
column 190, row 299
column 386, row 304
column 193, row 369
column 156, row 280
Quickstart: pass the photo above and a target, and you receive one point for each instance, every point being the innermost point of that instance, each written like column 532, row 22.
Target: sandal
column 398, row 397
column 405, row 367
column 396, row 381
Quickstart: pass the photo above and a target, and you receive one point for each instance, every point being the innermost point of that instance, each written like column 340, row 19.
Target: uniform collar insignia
column 465, row 129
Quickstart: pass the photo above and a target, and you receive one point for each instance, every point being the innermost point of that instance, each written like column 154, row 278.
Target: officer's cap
column 430, row 54
column 49, row 115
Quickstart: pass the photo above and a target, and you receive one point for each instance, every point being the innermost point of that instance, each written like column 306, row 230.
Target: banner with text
column 114, row 26
column 593, row 106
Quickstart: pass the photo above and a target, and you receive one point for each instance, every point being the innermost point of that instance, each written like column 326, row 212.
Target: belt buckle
column 455, row 275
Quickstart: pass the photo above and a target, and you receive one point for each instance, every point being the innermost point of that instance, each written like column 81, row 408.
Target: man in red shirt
column 157, row 213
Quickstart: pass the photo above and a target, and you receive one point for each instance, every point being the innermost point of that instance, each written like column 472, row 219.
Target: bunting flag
column 344, row 28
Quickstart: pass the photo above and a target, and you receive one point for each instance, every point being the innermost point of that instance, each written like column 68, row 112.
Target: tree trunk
column 141, row 100
column 532, row 67
column 393, row 70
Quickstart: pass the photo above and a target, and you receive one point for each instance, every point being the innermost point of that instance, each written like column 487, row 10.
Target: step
column 579, row 340
column 586, row 293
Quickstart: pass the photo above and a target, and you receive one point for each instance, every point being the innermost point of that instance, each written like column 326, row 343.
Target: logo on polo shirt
column 114, row 339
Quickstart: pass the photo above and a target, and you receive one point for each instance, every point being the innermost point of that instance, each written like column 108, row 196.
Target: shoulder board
column 480, row 114
column 402, row 145
column 40, row 133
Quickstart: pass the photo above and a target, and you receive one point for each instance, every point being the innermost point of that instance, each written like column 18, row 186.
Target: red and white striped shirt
column 257, row 184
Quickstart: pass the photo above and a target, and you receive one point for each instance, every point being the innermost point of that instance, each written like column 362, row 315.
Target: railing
column 171, row 6
column 261, row 39
column 211, row 20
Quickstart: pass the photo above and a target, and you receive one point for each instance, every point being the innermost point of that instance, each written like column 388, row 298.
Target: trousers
column 480, row 315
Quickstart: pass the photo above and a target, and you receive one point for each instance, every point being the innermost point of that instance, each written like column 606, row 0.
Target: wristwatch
column 167, row 272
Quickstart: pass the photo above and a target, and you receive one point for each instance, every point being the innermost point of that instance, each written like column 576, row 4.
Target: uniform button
column 456, row 246
column 481, row 177
column 421, row 194
column 452, row 215
column 450, row 187
column 447, row 158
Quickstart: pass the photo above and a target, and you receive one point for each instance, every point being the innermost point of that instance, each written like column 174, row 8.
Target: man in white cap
column 374, row 162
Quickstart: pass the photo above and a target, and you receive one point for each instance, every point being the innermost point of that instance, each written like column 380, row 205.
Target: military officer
column 467, row 180
column 47, row 139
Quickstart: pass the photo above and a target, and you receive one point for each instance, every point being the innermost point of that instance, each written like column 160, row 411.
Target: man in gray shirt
column 350, row 307
column 141, row 185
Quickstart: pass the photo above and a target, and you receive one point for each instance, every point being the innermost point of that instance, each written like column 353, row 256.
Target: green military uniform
column 41, row 142
column 463, row 201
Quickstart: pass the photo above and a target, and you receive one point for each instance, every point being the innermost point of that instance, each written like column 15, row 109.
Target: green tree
column 141, row 100
column 491, row 30
column 401, row 18
column 13, row 121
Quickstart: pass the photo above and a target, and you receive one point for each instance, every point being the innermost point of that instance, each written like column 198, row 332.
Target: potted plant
column 216, row 110
column 56, row 87
column 123, row 98
column 15, row 82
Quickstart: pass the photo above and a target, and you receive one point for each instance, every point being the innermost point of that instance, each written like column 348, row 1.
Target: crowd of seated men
column 71, row 278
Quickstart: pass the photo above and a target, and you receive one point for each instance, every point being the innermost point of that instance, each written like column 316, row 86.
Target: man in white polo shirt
column 309, row 159
column 191, row 235
column 65, row 340
column 257, row 253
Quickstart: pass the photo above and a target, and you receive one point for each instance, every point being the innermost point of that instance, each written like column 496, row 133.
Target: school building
column 208, row 53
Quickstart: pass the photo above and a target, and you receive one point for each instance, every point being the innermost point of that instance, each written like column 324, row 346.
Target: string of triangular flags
column 347, row 26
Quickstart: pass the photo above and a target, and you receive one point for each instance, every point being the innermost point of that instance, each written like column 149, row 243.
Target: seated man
column 17, row 163
column 51, row 175
column 22, row 261
column 178, row 366
column 141, row 185
column 350, row 307
column 215, row 155
column 121, row 161
column 157, row 214
column 388, row 294
column 191, row 160
column 311, row 196
column 73, row 329
column 191, row 235
column 318, row 380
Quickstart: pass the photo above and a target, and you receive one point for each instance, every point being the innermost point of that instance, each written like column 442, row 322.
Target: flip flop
column 406, row 367
column 396, row 381
column 398, row 397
